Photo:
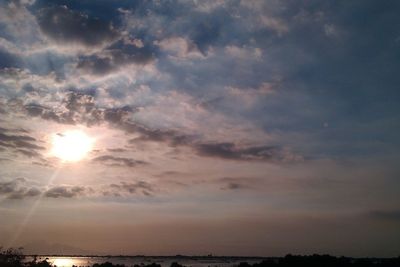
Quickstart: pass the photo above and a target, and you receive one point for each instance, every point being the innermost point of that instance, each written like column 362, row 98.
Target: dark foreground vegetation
column 324, row 261
column 15, row 258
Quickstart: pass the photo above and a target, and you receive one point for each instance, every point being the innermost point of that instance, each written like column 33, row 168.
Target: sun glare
column 71, row 145
column 63, row 262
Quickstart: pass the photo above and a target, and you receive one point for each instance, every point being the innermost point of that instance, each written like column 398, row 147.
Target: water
column 163, row 261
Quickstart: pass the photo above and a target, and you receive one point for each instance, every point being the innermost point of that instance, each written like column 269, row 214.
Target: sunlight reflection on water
column 163, row 261
column 64, row 262
column 71, row 261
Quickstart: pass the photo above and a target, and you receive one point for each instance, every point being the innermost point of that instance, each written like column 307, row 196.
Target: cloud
column 386, row 215
column 8, row 187
column 114, row 57
column 233, row 186
column 27, row 145
column 24, row 193
column 65, row 191
column 36, row 110
column 28, row 153
column 43, row 162
column 21, row 188
column 180, row 48
column 118, row 161
column 233, row 152
column 155, row 135
column 171, row 174
column 66, row 26
column 117, row 150
column 236, row 183
column 78, row 108
column 207, row 31
column 140, row 187
column 22, row 144
column 18, row 189
column 118, row 115
column 17, row 139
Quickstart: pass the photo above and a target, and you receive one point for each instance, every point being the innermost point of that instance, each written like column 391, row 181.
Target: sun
column 71, row 145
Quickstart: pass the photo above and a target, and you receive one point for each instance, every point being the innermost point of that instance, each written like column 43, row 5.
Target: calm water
column 163, row 261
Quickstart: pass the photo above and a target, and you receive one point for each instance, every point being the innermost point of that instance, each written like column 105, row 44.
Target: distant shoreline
column 146, row 256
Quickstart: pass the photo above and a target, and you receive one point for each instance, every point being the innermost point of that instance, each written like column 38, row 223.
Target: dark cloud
column 171, row 174
column 116, row 150
column 104, row 10
column 231, row 151
column 155, row 135
column 117, row 115
column 115, row 57
column 78, row 108
column 9, row 187
column 387, row 215
column 65, row 192
column 238, row 183
column 43, row 162
column 142, row 187
column 36, row 110
column 16, row 138
column 79, row 102
column 233, row 186
column 24, row 193
column 3, row 145
column 118, row 161
column 28, row 153
column 205, row 34
column 75, row 108
column 18, row 189
column 97, row 65
column 67, row 26
column 23, row 144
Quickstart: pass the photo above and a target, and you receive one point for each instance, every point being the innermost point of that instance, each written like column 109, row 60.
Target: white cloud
column 181, row 48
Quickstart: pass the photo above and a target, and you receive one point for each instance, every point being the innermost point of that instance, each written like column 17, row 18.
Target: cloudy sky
column 225, row 127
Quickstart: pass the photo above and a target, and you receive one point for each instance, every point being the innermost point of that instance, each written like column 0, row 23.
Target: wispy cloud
column 139, row 187
column 109, row 160
column 20, row 143
column 65, row 191
column 20, row 188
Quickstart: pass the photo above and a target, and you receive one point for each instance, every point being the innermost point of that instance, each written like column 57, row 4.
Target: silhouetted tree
column 148, row 265
column 175, row 264
column 107, row 264
column 11, row 257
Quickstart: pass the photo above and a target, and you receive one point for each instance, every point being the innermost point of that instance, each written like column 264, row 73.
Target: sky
column 226, row 127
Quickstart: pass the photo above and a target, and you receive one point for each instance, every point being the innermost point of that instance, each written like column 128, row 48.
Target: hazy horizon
column 226, row 127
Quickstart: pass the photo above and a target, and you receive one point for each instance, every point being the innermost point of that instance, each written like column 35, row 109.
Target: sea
column 128, row 261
